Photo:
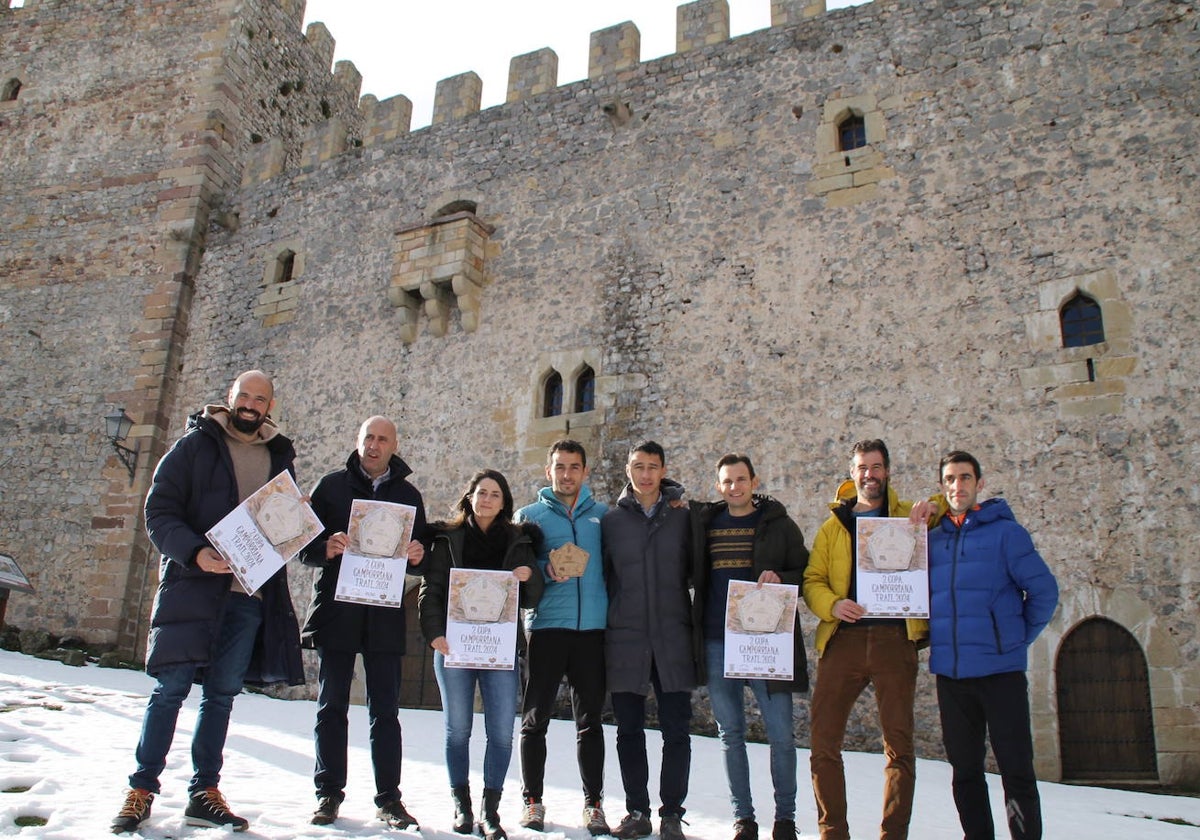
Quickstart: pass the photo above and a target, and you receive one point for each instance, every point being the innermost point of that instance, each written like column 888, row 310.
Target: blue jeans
column 222, row 681
column 728, row 704
column 499, row 692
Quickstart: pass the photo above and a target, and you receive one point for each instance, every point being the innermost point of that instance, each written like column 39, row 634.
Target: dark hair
column 862, row 447
column 650, row 448
column 735, row 458
column 959, row 457
column 567, row 445
column 462, row 508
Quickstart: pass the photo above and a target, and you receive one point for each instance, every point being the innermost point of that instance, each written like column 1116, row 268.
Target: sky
column 67, row 737
column 407, row 47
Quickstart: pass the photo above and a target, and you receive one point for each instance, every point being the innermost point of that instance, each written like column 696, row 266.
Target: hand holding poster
column 892, row 567
column 481, row 620
column 760, row 624
column 264, row 532
column 375, row 560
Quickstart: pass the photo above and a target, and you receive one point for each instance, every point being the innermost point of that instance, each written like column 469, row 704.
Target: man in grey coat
column 648, row 642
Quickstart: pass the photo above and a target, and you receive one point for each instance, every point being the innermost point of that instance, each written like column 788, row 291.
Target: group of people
column 620, row 602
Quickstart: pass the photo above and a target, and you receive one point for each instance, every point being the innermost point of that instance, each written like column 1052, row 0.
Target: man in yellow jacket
column 855, row 650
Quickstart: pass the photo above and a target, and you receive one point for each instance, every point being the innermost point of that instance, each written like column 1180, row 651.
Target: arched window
column 10, row 90
column 285, row 266
column 552, row 395
column 852, row 133
column 460, row 206
column 585, row 390
column 1082, row 322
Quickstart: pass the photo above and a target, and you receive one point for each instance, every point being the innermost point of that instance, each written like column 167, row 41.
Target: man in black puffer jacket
column 340, row 630
column 204, row 627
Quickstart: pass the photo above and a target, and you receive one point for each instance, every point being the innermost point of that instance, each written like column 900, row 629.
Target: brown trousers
column 858, row 655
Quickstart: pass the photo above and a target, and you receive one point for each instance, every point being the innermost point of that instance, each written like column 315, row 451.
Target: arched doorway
column 1105, row 725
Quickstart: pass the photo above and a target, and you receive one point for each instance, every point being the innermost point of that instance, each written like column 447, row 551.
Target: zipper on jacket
column 954, row 596
column 578, row 588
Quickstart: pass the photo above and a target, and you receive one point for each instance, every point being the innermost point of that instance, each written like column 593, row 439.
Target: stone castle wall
column 689, row 229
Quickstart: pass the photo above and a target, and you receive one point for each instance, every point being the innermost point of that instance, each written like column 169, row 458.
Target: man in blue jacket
column 990, row 595
column 566, row 636
column 203, row 624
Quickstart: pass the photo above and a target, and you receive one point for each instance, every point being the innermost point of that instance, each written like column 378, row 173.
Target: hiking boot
column 533, row 815
column 327, row 809
column 745, row 829
column 394, row 814
column 634, row 825
column 670, row 827
column 593, row 818
column 208, row 809
column 134, row 812
column 784, row 830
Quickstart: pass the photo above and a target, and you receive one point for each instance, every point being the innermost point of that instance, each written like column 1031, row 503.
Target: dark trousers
column 996, row 707
column 333, row 705
column 674, row 720
column 579, row 656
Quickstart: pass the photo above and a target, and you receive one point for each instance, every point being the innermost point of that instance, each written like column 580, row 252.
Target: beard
column 247, row 425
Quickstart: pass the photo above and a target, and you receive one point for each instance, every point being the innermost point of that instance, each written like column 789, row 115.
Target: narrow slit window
column 285, row 267
column 585, row 390
column 1082, row 321
column 552, row 395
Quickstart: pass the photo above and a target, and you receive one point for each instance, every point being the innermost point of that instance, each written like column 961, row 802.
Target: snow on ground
column 66, row 749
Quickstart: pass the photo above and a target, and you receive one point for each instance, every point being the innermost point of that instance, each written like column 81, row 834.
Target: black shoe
column 327, row 809
column 671, row 828
column 208, row 809
column 394, row 814
column 134, row 812
column 745, row 830
column 464, row 816
column 634, row 825
column 784, row 830
column 489, row 826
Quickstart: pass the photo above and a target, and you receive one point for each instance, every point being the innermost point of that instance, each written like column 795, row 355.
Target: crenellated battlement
column 612, row 51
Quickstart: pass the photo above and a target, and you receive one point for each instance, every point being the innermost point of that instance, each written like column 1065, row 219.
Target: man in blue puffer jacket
column 566, row 636
column 990, row 594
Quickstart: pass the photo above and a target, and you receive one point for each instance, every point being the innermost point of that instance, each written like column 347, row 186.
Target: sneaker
column 636, row 824
column 208, row 809
column 745, row 829
column 327, row 810
column 671, row 828
column 784, row 830
column 593, row 818
column 134, row 812
column 533, row 815
column 394, row 814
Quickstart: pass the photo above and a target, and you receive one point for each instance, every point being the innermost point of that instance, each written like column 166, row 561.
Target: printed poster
column 376, row 557
column 892, row 567
column 264, row 532
column 760, row 624
column 481, row 620
column 11, row 576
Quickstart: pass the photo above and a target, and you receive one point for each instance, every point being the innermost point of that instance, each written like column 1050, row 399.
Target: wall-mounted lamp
column 116, row 427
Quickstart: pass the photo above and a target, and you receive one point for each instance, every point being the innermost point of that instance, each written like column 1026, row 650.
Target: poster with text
column 11, row 576
column 264, row 532
column 760, row 624
column 481, row 620
column 376, row 556
column 892, row 567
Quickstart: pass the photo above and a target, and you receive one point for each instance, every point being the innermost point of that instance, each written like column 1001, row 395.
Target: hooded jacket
column 831, row 564
column 578, row 603
column 340, row 625
column 778, row 547
column 194, row 487
column 990, row 593
column 646, row 564
column 447, row 554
